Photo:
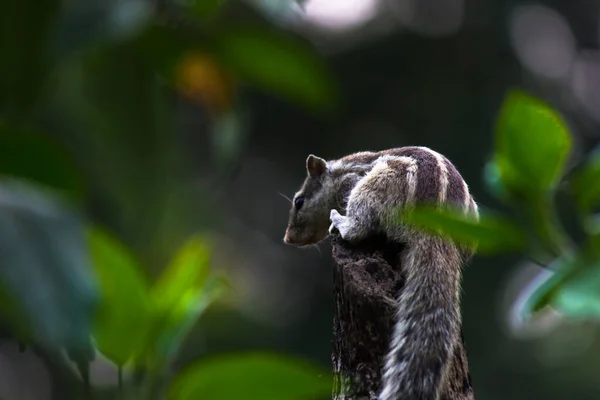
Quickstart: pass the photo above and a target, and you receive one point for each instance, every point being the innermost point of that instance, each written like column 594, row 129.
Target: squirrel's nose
column 286, row 239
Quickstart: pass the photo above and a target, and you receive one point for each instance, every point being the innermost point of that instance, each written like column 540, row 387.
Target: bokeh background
column 409, row 72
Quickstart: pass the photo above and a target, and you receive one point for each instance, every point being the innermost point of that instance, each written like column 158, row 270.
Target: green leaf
column 278, row 63
column 546, row 289
column 181, row 319
column 579, row 297
column 182, row 293
column 45, row 272
column 123, row 319
column 490, row 234
column 532, row 143
column 592, row 226
column 37, row 157
column 577, row 294
column 188, row 270
column 585, row 185
column 251, row 376
column 574, row 287
column 493, row 181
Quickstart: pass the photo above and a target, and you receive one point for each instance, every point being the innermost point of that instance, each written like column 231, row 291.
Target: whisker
column 318, row 249
column 314, row 246
column 285, row 197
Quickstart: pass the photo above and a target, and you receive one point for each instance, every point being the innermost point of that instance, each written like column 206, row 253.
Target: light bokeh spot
column 542, row 41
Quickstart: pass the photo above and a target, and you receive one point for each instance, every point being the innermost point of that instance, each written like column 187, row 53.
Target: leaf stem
column 548, row 228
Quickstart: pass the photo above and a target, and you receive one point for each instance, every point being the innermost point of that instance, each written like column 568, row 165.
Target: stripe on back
column 438, row 181
column 443, row 174
column 360, row 162
column 429, row 185
column 456, row 194
column 409, row 167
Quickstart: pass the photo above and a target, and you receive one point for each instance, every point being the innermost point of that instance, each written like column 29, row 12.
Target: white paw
column 339, row 223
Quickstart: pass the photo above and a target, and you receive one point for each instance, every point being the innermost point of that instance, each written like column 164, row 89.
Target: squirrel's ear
column 315, row 166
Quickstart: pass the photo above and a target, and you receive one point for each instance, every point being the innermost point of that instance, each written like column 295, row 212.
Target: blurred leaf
column 44, row 266
column 185, row 314
column 277, row 62
column 579, row 294
column 124, row 316
column 251, row 376
column 24, row 32
column 592, row 226
column 188, row 270
column 531, row 145
column 547, row 288
column 37, row 157
column 493, row 181
column 183, row 292
column 491, row 234
column 574, row 288
column 585, row 184
column 87, row 23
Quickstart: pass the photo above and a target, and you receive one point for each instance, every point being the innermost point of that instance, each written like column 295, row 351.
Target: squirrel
column 358, row 196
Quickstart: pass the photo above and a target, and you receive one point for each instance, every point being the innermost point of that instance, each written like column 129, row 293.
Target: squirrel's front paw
column 339, row 224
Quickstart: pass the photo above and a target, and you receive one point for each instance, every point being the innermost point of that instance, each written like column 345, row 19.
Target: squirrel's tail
column 428, row 320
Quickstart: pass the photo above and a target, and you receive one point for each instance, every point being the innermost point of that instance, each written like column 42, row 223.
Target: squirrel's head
column 309, row 215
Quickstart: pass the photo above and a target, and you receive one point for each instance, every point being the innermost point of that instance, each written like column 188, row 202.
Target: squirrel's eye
column 299, row 202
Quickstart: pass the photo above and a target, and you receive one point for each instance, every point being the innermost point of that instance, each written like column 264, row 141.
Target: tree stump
column 367, row 279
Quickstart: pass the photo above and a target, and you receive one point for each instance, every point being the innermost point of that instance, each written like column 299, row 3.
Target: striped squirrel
column 356, row 196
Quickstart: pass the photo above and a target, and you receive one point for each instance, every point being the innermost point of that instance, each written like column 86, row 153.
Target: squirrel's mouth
column 289, row 239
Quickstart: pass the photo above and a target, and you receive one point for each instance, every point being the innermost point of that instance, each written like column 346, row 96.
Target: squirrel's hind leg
column 374, row 199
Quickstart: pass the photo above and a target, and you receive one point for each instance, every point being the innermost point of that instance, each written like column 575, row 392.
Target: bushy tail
column 428, row 321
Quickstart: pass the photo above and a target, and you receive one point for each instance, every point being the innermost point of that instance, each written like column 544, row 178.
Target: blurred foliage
column 124, row 316
column 86, row 126
column 44, row 267
column 532, row 143
column 531, row 146
column 493, row 233
column 214, row 378
column 584, row 183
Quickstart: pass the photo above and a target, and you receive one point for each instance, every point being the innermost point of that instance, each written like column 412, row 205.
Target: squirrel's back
column 437, row 180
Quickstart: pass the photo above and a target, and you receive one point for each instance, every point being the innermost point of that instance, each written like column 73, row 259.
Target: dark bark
column 367, row 279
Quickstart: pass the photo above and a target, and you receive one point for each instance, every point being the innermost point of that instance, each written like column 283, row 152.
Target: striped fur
column 361, row 193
